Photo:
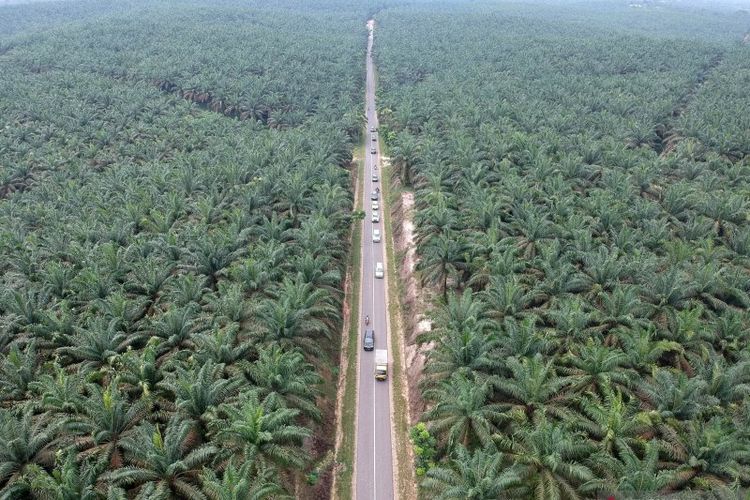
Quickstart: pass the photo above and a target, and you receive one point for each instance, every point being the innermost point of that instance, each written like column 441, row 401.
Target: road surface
column 374, row 462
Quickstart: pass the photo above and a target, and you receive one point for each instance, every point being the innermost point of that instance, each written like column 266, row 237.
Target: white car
column 375, row 178
column 372, row 129
column 375, row 216
column 373, row 151
column 375, row 205
column 376, row 235
column 379, row 270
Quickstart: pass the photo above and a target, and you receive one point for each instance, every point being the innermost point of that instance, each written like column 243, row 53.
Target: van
column 379, row 270
column 368, row 343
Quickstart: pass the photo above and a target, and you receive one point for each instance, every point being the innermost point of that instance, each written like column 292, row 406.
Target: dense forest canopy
column 581, row 181
column 174, row 210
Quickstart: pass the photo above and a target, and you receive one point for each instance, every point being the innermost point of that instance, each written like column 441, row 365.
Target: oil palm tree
column 165, row 466
column 257, row 433
column 463, row 412
column 29, row 441
column 710, row 455
column 481, row 475
column 634, row 476
column 533, row 388
column 17, row 371
column 613, row 422
column 595, row 367
column 242, row 483
column 442, row 257
column 69, row 480
column 106, row 417
column 551, row 462
column 295, row 316
column 285, row 380
column 199, row 391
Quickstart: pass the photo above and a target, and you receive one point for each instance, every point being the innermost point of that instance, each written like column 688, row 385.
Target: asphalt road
column 374, row 462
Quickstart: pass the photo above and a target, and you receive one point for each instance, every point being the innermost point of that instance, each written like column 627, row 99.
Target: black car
column 369, row 341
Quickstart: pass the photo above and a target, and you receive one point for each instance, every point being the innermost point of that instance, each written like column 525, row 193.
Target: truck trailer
column 381, row 364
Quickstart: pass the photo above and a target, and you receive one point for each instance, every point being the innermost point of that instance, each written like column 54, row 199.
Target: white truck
column 381, row 364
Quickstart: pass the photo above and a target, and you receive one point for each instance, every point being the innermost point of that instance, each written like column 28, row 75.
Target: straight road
column 374, row 462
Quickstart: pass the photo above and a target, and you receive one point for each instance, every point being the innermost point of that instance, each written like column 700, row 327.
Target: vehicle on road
column 375, row 205
column 374, row 196
column 373, row 151
column 375, row 178
column 381, row 364
column 375, row 216
column 378, row 269
column 374, row 138
column 376, row 235
column 372, row 129
column 369, row 341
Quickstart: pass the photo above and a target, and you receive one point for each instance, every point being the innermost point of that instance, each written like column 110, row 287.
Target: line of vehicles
column 368, row 342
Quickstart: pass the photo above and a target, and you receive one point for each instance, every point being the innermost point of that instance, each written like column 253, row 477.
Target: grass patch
column 345, row 457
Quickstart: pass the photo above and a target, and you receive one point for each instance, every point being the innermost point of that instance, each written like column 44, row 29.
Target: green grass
column 349, row 408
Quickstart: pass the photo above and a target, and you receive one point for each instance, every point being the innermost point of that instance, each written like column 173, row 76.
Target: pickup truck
column 381, row 364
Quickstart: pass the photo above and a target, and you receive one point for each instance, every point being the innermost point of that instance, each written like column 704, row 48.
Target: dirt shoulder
column 413, row 299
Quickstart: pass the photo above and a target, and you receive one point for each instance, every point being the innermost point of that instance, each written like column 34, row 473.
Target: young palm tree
column 165, row 466
column 481, row 475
